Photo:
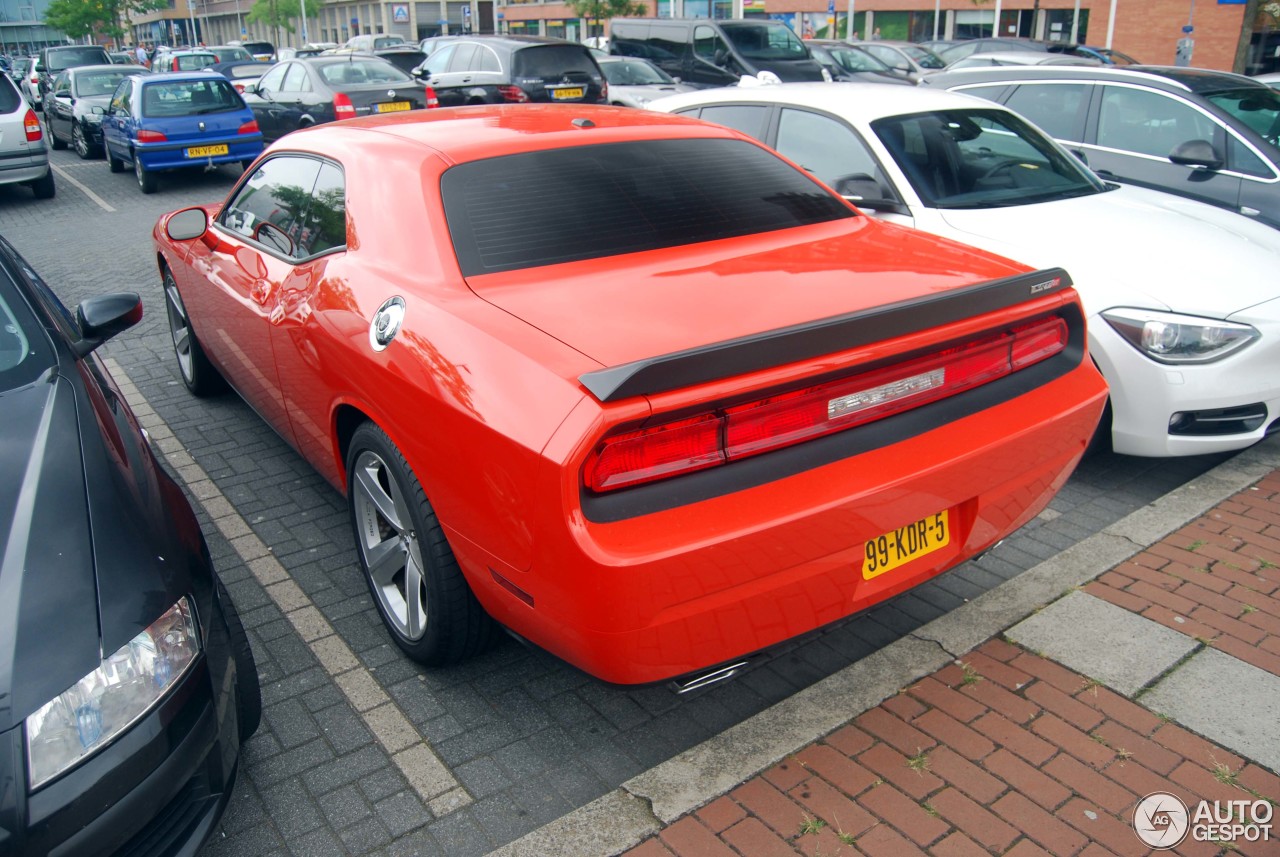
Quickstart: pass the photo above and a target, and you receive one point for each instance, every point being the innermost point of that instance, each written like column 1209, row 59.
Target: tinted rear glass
column 9, row 97
column 552, row 61
column 351, row 72
column 588, row 202
column 189, row 98
column 64, row 58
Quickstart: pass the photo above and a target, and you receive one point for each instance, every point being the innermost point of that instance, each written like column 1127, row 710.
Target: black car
column 299, row 93
column 75, row 105
column 404, row 57
column 52, row 61
column 1207, row 135
column 497, row 69
column 126, row 678
column 844, row 61
column 241, row 72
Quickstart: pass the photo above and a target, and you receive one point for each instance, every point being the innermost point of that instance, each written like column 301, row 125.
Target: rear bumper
column 673, row 592
column 173, row 156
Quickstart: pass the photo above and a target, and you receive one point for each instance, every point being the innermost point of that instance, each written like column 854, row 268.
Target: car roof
column 871, row 100
column 83, row 69
column 1168, row 78
column 462, row 134
column 202, row 74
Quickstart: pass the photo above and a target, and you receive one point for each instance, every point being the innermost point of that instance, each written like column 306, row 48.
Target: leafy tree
column 600, row 10
column 79, row 18
column 279, row 13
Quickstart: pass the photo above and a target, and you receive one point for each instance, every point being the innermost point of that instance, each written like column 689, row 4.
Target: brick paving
column 1006, row 752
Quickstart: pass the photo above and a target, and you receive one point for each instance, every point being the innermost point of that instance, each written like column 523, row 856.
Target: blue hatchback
column 174, row 121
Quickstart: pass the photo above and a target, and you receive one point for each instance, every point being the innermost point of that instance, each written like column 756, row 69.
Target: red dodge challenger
column 631, row 385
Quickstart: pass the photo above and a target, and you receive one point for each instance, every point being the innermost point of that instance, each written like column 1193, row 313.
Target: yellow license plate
column 561, row 94
column 392, row 107
column 206, row 151
column 887, row 552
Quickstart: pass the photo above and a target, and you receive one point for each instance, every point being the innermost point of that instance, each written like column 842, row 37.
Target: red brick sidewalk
column 1008, row 753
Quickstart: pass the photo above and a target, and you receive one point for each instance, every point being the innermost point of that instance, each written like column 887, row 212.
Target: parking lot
column 362, row 751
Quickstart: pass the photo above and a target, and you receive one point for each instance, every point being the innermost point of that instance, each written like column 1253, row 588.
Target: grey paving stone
column 292, row 810
column 290, row 722
column 317, row 843
column 382, row 784
column 1238, row 711
column 402, row 813
column 482, row 777
column 576, row 783
column 460, row 836
column 344, row 806
column 290, row 763
column 346, row 769
column 364, row 836
column 1098, row 639
column 343, row 728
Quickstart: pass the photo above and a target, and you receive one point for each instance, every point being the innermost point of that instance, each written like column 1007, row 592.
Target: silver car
column 634, row 82
column 24, row 157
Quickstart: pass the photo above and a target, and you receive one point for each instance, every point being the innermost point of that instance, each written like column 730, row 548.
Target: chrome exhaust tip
column 706, row 679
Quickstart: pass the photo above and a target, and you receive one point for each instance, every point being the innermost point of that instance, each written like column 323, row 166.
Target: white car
column 1184, row 311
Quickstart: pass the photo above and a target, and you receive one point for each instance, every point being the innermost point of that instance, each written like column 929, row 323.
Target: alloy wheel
column 179, row 328
column 79, row 141
column 389, row 545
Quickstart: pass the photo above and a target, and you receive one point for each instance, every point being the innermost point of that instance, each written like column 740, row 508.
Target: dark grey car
column 1206, row 135
column 513, row 69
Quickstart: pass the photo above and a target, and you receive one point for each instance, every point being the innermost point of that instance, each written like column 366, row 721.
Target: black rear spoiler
column 815, row 338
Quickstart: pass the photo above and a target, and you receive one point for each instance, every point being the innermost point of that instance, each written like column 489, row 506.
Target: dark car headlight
column 91, row 713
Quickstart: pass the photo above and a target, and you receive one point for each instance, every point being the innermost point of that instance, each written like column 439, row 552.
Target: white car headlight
column 91, row 713
column 1172, row 338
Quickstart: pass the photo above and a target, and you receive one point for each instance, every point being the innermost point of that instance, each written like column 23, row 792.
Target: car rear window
column 587, row 202
column 9, row 97
column 348, row 72
column 552, row 61
column 65, row 58
column 189, row 98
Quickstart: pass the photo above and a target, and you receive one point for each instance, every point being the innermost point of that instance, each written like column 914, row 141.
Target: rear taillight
column 35, row 78
column 175, row 65
column 604, row 91
column 513, row 94
column 145, row 136
column 432, row 99
column 239, row 87
column 250, row 127
column 31, row 125
column 727, row 434
column 342, row 106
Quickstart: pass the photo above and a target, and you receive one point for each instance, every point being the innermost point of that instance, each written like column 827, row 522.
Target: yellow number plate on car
column 392, row 107
column 561, row 94
column 206, row 151
column 887, row 552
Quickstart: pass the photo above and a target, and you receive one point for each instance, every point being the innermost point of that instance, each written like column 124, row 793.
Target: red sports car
column 631, row 385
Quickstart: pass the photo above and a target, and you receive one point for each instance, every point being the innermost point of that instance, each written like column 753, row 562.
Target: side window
column 295, row 79
column 274, row 79
column 991, row 93
column 1148, row 123
column 271, row 207
column 462, row 55
column 326, row 222
column 438, row 62
column 1241, row 159
column 1055, row 107
column 706, row 42
column 888, row 56
column 825, row 147
column 61, row 83
column 120, row 100
column 747, row 118
column 485, row 60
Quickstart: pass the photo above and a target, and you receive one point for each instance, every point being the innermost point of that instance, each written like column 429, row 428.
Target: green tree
column 279, row 13
column 79, row 18
column 600, row 10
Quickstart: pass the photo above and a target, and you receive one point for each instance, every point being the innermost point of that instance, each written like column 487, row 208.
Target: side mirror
column 187, row 224
column 98, row 110
column 865, row 192
column 63, row 93
column 720, row 57
column 250, row 88
column 1197, row 153
column 103, row 317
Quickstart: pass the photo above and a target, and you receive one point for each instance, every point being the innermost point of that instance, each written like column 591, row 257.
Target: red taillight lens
column 35, row 78
column 342, row 106
column 239, row 87
column 31, row 125
column 250, row 127
column 145, row 136
column 432, row 100
column 175, row 65
column 604, row 90
column 710, row 439
column 655, row 453
column 513, row 94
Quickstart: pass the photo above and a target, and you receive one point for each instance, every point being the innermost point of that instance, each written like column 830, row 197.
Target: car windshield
column 924, row 57
column 354, row 71
column 854, row 59
column 24, row 349
column 634, row 73
column 763, row 42
column 189, row 98
column 981, row 158
column 1257, row 108
column 100, row 82
column 231, row 54
column 589, row 202
column 65, row 58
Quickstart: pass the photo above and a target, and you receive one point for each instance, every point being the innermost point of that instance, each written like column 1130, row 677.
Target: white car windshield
column 981, row 158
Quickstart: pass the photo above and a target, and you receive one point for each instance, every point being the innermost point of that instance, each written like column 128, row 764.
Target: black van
column 703, row 52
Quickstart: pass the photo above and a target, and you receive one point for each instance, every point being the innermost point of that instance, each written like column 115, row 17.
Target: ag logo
column 1161, row 820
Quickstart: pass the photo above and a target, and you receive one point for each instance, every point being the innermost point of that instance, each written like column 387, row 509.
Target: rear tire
column 44, row 188
column 115, row 164
column 248, row 690
column 54, row 140
column 198, row 374
column 146, row 178
column 416, row 583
